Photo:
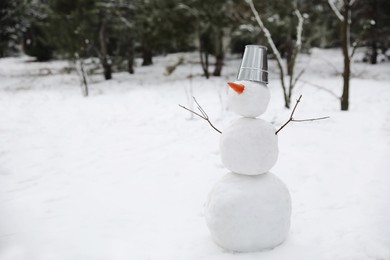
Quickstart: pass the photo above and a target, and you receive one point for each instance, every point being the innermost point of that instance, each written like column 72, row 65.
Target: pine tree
column 10, row 26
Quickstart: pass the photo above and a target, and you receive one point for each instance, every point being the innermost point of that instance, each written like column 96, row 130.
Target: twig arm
column 310, row 119
column 288, row 121
column 291, row 119
column 295, row 107
column 203, row 115
column 192, row 112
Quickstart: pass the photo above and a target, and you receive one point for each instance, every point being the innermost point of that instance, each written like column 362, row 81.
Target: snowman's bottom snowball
column 248, row 213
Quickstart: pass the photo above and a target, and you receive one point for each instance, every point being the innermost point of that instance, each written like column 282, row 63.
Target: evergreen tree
column 10, row 26
column 36, row 40
column 162, row 27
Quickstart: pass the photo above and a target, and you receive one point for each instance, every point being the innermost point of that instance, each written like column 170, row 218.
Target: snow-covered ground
column 124, row 173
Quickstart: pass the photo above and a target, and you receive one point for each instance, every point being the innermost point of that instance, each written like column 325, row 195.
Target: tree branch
column 297, row 49
column 297, row 78
column 267, row 34
column 321, row 88
column 291, row 119
column 358, row 40
column 203, row 114
column 275, row 51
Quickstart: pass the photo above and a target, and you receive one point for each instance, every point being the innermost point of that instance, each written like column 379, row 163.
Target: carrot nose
column 239, row 88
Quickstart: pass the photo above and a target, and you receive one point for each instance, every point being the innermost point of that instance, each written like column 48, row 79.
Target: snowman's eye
column 239, row 88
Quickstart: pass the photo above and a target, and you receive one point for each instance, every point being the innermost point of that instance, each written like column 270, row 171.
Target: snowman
column 249, row 208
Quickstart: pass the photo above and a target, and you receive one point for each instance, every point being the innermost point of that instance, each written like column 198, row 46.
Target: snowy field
column 124, row 173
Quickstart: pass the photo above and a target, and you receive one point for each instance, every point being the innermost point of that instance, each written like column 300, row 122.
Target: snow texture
column 252, row 102
column 124, row 174
column 249, row 146
column 248, row 213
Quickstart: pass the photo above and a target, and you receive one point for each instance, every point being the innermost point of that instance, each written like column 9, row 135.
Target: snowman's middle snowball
column 249, row 146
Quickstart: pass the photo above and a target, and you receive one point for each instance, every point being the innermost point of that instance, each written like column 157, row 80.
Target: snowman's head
column 248, row 98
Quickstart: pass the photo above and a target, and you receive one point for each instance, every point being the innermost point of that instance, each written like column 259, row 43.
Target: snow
column 249, row 146
column 249, row 213
column 124, row 173
column 252, row 102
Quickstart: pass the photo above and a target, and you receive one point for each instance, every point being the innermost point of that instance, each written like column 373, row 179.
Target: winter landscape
column 125, row 173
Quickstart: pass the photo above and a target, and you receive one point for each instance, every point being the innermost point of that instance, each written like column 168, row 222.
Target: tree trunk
column 374, row 52
column 147, row 56
column 219, row 55
column 103, row 52
column 130, row 56
column 218, row 65
column 374, row 34
column 204, row 55
column 345, row 26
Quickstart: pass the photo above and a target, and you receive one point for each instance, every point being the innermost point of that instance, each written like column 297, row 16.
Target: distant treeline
column 117, row 31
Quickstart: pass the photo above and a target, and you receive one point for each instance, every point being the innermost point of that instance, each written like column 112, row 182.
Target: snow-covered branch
column 267, row 34
column 336, row 10
column 299, row 28
column 126, row 22
column 287, row 89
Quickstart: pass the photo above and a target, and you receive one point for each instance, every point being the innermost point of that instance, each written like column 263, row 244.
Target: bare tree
column 103, row 51
column 289, row 83
column 344, row 16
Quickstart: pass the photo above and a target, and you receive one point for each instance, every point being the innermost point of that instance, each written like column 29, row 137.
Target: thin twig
column 310, row 119
column 291, row 119
column 298, row 77
column 358, row 40
column 203, row 114
column 191, row 111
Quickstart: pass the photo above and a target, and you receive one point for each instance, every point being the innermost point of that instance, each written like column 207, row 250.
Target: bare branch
column 335, row 10
column 354, row 47
column 321, row 88
column 200, row 109
column 297, row 78
column 203, row 114
column 358, row 40
column 291, row 119
column 336, row 71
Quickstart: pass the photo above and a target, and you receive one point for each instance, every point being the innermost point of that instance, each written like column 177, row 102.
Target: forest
column 117, row 31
